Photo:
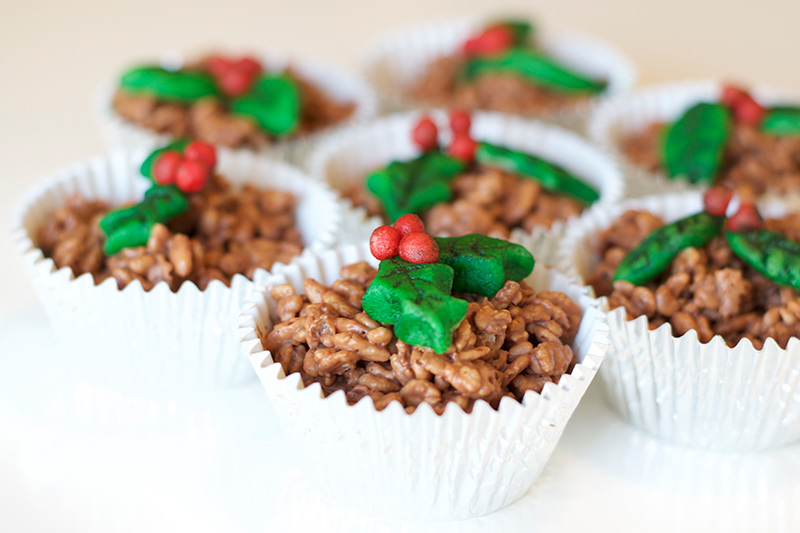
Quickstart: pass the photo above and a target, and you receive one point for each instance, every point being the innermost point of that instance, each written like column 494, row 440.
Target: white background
column 76, row 457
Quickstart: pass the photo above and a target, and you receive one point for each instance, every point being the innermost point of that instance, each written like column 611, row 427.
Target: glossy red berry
column 217, row 65
column 745, row 219
column 425, row 134
column 747, row 111
column 248, row 65
column 731, row 94
column 419, row 248
column 166, row 166
column 716, row 200
column 409, row 223
column 471, row 46
column 493, row 40
column 192, row 175
column 496, row 39
column 384, row 242
column 201, row 151
column 460, row 121
column 463, row 147
column 235, row 82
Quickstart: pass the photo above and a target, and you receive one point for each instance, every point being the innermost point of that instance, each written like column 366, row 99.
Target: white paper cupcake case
column 699, row 395
column 660, row 103
column 340, row 85
column 137, row 340
column 395, row 62
column 343, row 159
column 420, row 466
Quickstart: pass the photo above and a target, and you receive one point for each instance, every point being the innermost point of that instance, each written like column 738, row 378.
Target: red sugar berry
column 716, row 200
column 166, row 166
column 201, row 151
column 745, row 219
column 471, row 46
column 425, row 134
column 384, row 242
column 409, row 223
column 217, row 65
column 235, row 82
column 460, row 121
column 192, row 175
column 731, row 94
column 419, row 248
column 248, row 64
column 463, row 147
column 493, row 40
column 747, row 111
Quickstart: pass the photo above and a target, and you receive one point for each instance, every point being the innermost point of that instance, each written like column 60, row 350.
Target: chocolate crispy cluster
column 515, row 342
column 226, row 231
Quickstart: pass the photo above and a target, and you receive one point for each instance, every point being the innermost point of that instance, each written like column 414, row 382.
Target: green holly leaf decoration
column 179, row 85
column 483, row 264
column 273, row 102
column 552, row 177
column 781, row 121
column 416, row 299
column 413, row 186
column 657, row 250
column 770, row 253
column 147, row 166
column 131, row 226
column 533, row 66
column 693, row 146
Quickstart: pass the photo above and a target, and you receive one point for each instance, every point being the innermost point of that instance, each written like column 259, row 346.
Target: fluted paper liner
column 339, row 85
column 395, row 63
column 660, row 103
column 420, row 466
column 348, row 157
column 157, row 339
column 676, row 388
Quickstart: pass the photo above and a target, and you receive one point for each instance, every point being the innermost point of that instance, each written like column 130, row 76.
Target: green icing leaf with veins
column 654, row 254
column 770, row 253
column 413, row 186
column 693, row 146
column 416, row 299
column 782, row 120
column 131, row 226
column 483, row 264
column 147, row 166
column 273, row 102
column 535, row 67
column 552, row 177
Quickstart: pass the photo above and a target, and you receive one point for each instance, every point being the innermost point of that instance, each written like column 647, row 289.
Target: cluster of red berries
column 189, row 171
column 746, row 218
column 492, row 41
column 406, row 238
column 426, row 135
column 233, row 76
column 745, row 109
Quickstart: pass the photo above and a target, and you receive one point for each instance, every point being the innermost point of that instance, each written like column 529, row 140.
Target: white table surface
column 77, row 457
